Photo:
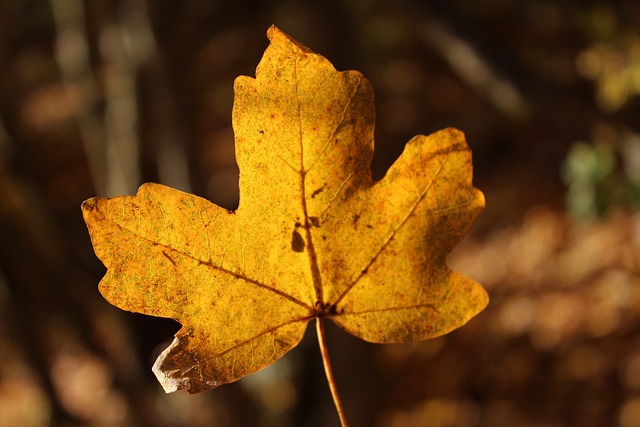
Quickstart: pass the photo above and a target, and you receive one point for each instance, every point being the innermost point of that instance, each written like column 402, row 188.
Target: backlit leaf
column 313, row 235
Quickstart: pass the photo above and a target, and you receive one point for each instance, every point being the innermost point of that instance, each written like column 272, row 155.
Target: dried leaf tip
column 183, row 375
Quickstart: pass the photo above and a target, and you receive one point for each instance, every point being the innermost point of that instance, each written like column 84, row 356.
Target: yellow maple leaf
column 313, row 236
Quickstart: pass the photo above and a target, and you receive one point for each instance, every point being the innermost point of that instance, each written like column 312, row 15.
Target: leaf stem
column 329, row 372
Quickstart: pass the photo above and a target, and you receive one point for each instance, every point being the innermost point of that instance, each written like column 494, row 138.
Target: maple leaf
column 313, row 235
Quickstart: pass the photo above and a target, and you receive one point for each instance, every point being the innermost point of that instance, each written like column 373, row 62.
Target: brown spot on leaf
column 314, row 221
column 297, row 242
column 169, row 258
column 89, row 205
column 318, row 191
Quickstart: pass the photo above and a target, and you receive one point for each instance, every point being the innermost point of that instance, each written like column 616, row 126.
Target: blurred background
column 99, row 96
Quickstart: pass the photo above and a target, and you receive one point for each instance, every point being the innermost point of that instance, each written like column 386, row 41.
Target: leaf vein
column 393, row 233
column 252, row 339
column 432, row 306
column 213, row 266
column 338, row 124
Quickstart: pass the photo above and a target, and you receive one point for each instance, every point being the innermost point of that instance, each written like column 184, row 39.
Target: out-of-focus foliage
column 604, row 174
column 613, row 60
column 616, row 70
column 585, row 171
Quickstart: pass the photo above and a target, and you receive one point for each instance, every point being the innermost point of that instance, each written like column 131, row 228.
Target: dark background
column 99, row 96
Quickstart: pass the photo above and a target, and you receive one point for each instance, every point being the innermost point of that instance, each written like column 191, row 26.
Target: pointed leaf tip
column 276, row 35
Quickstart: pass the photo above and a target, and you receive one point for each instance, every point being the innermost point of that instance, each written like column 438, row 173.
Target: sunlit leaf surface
column 313, row 235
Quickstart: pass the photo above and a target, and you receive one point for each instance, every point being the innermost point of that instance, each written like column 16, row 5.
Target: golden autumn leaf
column 313, row 235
